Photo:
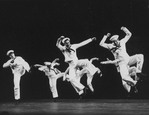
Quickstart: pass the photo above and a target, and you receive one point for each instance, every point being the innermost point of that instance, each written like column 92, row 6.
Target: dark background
column 31, row 29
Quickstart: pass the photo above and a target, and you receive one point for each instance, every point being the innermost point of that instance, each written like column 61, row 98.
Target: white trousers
column 137, row 60
column 74, row 80
column 89, row 77
column 16, row 80
column 89, row 69
column 53, row 84
column 88, row 65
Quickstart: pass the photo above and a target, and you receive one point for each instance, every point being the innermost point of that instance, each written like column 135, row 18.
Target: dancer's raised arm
column 102, row 42
column 85, row 42
column 128, row 34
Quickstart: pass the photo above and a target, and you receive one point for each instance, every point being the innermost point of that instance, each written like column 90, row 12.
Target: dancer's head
column 66, row 42
column 115, row 39
column 47, row 63
column 11, row 54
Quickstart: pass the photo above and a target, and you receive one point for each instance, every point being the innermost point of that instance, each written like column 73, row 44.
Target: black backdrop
column 31, row 29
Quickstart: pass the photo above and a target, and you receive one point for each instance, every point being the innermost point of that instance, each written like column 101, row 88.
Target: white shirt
column 70, row 55
column 121, row 53
column 19, row 65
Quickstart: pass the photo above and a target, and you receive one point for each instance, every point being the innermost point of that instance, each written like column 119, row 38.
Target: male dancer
column 132, row 71
column 69, row 52
column 122, row 59
column 81, row 71
column 78, row 74
column 53, row 74
column 18, row 66
column 72, row 77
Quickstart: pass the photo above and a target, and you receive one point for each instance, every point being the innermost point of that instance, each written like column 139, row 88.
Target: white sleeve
column 24, row 63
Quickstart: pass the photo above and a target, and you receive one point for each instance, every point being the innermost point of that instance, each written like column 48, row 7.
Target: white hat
column 65, row 39
column 9, row 52
column 114, row 37
column 62, row 36
column 47, row 63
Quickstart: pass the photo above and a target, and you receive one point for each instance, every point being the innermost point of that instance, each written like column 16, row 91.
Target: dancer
column 132, row 71
column 18, row 66
column 71, row 76
column 81, row 71
column 70, row 54
column 122, row 59
column 53, row 74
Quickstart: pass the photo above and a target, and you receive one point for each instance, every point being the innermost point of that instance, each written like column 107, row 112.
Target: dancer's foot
column 85, row 91
column 17, row 101
column 141, row 74
column 98, row 71
column 55, row 99
column 131, row 83
column 135, row 89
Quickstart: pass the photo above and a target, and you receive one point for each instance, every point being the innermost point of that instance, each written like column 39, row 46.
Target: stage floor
column 76, row 107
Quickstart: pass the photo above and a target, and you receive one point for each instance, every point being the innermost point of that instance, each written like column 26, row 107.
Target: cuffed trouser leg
column 126, row 86
column 137, row 59
column 53, row 86
column 125, row 74
column 77, row 86
column 89, row 82
column 88, row 65
column 17, row 78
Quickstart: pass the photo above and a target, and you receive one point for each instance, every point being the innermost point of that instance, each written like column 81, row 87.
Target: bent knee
column 141, row 56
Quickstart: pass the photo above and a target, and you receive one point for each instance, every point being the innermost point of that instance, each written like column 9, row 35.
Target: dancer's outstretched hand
column 93, row 38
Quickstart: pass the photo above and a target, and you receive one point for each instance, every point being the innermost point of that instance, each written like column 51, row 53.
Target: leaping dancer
column 122, row 59
column 70, row 54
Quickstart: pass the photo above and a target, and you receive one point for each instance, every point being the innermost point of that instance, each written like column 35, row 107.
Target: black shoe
column 80, row 96
column 92, row 93
column 55, row 99
column 141, row 74
column 85, row 91
column 141, row 77
column 128, row 96
column 17, row 102
column 135, row 89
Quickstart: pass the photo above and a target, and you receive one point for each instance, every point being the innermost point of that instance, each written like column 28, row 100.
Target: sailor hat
column 114, row 37
column 9, row 52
